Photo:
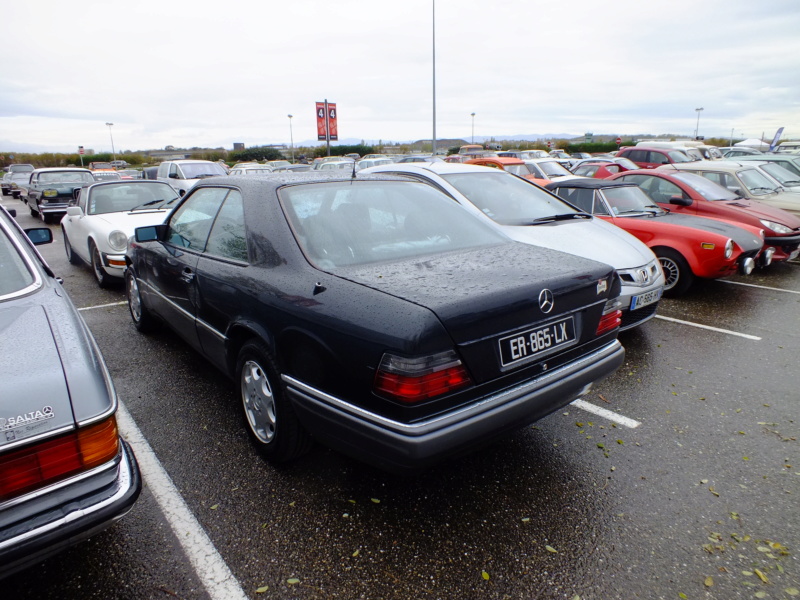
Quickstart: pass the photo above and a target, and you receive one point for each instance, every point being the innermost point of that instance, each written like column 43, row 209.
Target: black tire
column 678, row 276
column 103, row 279
column 73, row 258
column 269, row 417
column 34, row 211
column 143, row 319
column 6, row 192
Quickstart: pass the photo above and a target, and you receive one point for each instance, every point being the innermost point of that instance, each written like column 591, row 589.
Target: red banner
column 333, row 128
column 327, row 127
column 322, row 130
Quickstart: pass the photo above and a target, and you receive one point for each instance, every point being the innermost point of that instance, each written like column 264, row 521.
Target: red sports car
column 691, row 194
column 688, row 247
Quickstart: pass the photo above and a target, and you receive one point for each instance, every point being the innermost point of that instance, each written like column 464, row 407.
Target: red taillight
column 415, row 379
column 609, row 322
column 42, row 464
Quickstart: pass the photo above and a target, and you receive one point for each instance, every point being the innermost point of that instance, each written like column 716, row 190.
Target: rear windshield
column 340, row 224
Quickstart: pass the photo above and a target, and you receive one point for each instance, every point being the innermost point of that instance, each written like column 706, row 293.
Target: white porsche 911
column 104, row 215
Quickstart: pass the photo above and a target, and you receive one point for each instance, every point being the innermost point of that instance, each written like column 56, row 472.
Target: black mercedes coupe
column 372, row 314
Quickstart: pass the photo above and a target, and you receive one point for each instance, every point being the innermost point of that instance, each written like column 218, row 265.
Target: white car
column 99, row 222
column 527, row 213
column 183, row 174
column 549, row 169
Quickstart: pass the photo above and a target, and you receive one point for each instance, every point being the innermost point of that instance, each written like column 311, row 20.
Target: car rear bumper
column 403, row 447
column 35, row 529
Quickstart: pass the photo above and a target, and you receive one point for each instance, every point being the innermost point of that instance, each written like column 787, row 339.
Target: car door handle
column 187, row 275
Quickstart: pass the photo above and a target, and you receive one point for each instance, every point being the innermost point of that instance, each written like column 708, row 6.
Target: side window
column 657, row 158
column 192, row 220
column 173, row 169
column 227, row 238
column 638, row 155
column 723, row 179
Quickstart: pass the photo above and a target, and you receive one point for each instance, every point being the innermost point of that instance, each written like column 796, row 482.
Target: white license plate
column 645, row 299
column 536, row 341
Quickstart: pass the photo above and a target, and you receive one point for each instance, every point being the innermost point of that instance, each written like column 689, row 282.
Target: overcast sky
column 199, row 73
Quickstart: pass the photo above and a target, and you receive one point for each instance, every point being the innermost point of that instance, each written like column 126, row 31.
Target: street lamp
column 697, row 129
column 473, row 128
column 291, row 137
column 113, row 152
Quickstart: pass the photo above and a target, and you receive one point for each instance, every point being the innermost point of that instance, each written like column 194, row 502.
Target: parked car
column 688, row 247
column 372, row 314
column 512, row 165
column 100, row 220
column 20, row 168
column 252, row 170
column 50, row 191
column 788, row 146
column 366, row 163
column 733, row 152
column 746, row 181
column 599, row 169
column 786, row 179
column 130, row 174
column 184, row 174
column 689, row 193
column 789, row 161
column 107, row 175
column 527, row 213
column 16, row 183
column 65, row 473
column 274, row 164
column 524, row 154
column 298, row 168
column 650, row 158
column 548, row 169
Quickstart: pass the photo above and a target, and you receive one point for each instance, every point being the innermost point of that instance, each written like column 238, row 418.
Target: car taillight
column 30, row 468
column 612, row 317
column 420, row 378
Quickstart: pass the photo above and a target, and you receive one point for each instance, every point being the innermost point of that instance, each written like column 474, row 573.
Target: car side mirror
column 74, row 211
column 680, row 201
column 173, row 176
column 12, row 212
column 39, row 235
column 737, row 191
column 151, row 233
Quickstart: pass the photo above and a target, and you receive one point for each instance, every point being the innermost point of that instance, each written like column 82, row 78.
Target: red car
column 691, row 194
column 687, row 247
column 603, row 168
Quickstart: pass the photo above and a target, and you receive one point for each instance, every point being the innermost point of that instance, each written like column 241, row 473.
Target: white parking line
column 762, row 287
column 728, row 331
column 215, row 575
column 606, row 414
column 103, row 305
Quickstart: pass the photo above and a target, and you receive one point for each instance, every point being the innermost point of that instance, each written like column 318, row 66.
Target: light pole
column 433, row 46
column 473, row 128
column 697, row 129
column 113, row 152
column 291, row 137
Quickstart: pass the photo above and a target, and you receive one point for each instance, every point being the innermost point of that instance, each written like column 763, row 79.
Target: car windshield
column 341, row 224
column 680, row 157
column 15, row 273
column 706, row 188
column 626, row 163
column 20, row 168
column 506, row 199
column 66, row 177
column 128, row 196
column 756, row 182
column 630, row 200
column 199, row 170
column 782, row 175
column 553, row 169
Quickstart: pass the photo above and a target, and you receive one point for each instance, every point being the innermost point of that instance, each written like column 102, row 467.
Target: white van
column 788, row 147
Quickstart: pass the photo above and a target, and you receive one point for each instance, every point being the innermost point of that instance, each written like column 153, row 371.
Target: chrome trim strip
column 38, row 282
column 35, row 438
column 499, row 398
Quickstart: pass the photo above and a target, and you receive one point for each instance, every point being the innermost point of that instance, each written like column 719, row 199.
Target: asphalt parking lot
column 678, row 478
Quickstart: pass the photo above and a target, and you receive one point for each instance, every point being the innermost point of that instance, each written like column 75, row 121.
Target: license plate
column 536, row 341
column 645, row 299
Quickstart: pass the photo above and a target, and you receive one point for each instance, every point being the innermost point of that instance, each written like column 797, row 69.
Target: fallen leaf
column 709, row 581
column 760, row 594
column 525, row 519
column 215, row 507
column 262, row 589
column 375, row 500
column 761, row 575
column 551, row 549
column 355, row 553
column 620, row 442
column 485, row 575
column 711, row 489
column 792, row 591
column 682, row 596
column 292, row 581
column 602, row 397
